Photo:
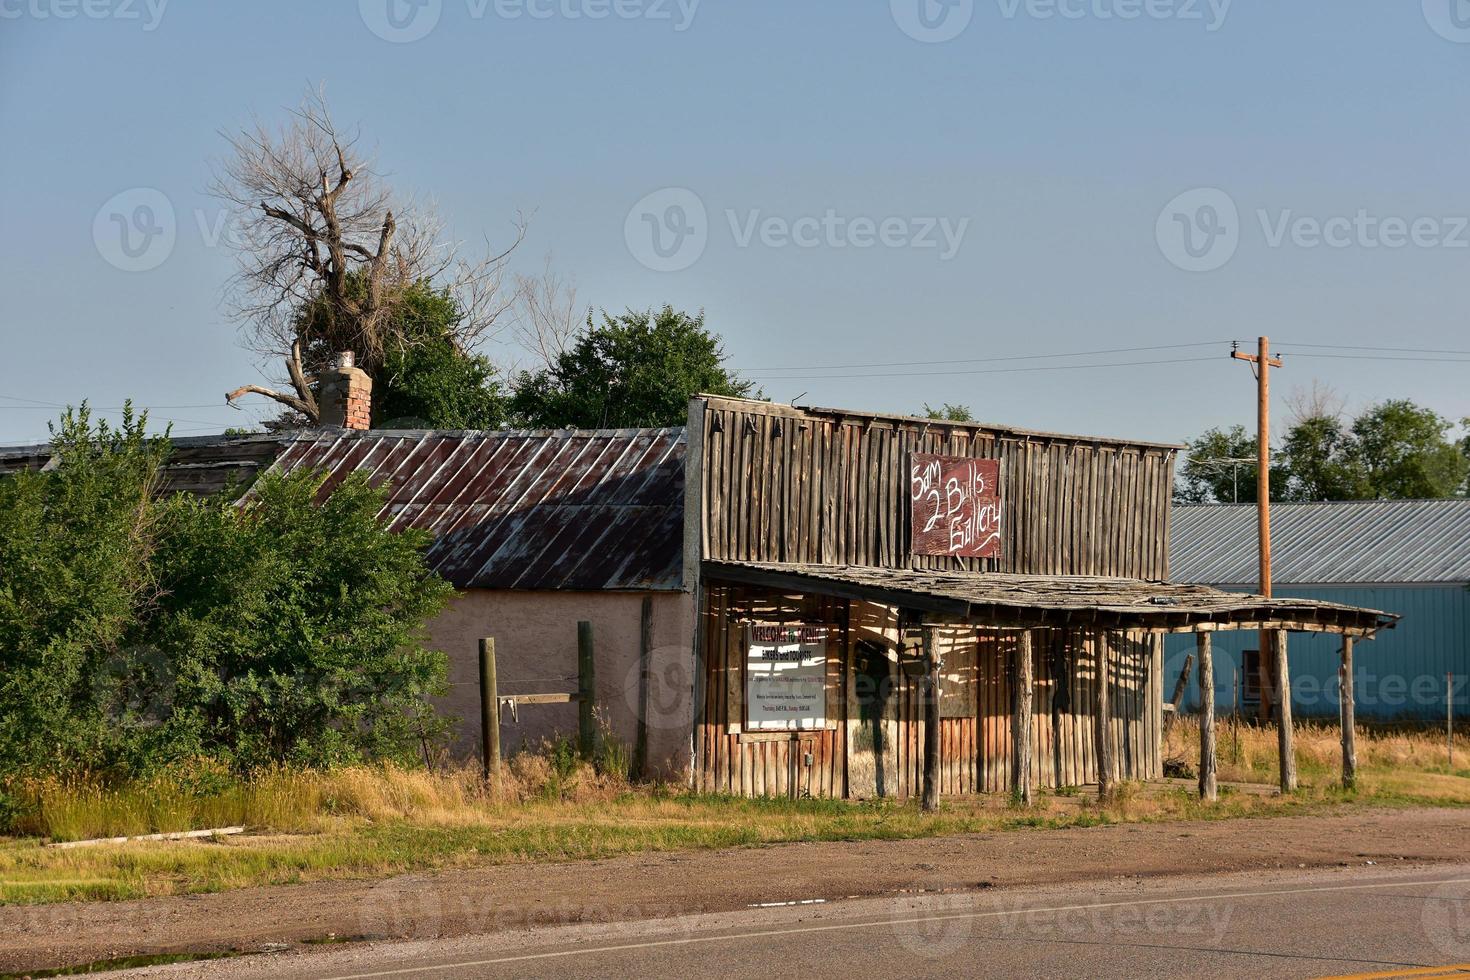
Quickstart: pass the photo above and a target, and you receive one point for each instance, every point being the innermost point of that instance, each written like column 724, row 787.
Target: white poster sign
column 785, row 678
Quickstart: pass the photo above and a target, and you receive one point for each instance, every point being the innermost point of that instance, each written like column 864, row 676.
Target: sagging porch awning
column 1057, row 601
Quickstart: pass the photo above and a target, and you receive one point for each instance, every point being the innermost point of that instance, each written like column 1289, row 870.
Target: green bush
column 138, row 631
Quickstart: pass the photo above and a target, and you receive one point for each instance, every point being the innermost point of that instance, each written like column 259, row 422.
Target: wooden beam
column 1285, row 736
column 931, row 721
column 586, row 692
column 1207, row 788
column 933, row 607
column 645, row 647
column 489, row 713
column 560, row 697
column 1183, row 682
column 1349, row 710
column 1101, row 730
column 1021, row 741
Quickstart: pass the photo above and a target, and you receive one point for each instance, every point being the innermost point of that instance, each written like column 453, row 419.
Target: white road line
column 867, row 923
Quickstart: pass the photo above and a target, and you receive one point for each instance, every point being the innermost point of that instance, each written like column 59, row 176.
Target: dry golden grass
column 286, row 800
column 1391, row 761
column 370, row 821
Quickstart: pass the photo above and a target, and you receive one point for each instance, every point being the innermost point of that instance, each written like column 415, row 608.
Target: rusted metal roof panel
column 568, row 509
column 200, row 465
column 1376, row 542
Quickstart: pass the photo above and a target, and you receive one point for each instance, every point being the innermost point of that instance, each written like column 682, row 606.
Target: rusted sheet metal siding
column 576, row 510
column 789, row 485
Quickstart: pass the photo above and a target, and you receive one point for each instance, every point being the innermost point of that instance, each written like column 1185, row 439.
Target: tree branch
column 290, row 401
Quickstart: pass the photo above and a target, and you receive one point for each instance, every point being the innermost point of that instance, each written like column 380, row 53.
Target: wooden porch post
column 1021, row 722
column 1349, row 735
column 1207, row 788
column 1101, row 730
column 931, row 722
column 1285, row 737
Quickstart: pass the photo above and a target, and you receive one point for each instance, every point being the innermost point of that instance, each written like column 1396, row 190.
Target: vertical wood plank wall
column 790, row 485
column 874, row 747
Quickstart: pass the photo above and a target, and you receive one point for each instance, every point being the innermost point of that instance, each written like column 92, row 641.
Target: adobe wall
column 536, row 651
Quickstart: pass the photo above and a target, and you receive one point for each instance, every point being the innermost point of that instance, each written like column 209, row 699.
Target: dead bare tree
column 1317, row 402
column 324, row 253
column 547, row 316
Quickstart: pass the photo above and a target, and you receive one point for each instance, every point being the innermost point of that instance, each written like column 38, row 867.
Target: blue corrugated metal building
column 1410, row 557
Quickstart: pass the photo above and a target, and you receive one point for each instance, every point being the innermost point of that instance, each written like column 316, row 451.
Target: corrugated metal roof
column 1334, row 543
column 567, row 509
column 196, row 464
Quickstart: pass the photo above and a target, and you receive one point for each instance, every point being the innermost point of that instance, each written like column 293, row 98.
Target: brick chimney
column 346, row 395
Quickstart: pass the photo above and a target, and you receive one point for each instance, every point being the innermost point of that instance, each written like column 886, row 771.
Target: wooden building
column 828, row 603
column 873, row 589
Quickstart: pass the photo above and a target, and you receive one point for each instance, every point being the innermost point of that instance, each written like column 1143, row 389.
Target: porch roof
column 1057, row 601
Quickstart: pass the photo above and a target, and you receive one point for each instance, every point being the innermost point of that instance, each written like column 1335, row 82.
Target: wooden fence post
column 645, row 646
column 1285, row 736
column 1179, row 687
column 1207, row 786
column 1101, row 729
column 586, row 693
column 489, row 712
column 1021, row 722
column 1349, row 710
column 931, row 721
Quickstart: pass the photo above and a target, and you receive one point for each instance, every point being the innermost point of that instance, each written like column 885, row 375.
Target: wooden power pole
column 1262, row 362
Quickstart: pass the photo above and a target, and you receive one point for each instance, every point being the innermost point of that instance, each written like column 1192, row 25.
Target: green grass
column 375, row 822
column 633, row 823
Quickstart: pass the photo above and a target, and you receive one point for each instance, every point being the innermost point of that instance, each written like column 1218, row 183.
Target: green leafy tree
column 138, row 630
column 1394, row 450
column 424, row 380
column 1465, row 451
column 633, row 370
column 76, row 547
column 1220, row 467
column 1405, row 452
column 1320, row 458
column 294, row 625
column 948, row 413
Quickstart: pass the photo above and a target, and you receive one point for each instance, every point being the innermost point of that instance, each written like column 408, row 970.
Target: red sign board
column 955, row 506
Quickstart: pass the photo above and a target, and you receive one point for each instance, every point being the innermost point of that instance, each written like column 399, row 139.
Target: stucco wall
column 536, row 651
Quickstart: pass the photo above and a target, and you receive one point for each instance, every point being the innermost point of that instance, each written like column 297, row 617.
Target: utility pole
column 1261, row 363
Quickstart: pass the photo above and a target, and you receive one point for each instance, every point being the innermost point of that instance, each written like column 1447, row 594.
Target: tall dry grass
column 1247, row 752
column 288, row 800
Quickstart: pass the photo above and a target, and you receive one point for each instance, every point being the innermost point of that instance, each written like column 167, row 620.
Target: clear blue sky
column 1060, row 139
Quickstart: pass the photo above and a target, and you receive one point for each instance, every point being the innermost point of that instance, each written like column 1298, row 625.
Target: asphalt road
column 1348, row 921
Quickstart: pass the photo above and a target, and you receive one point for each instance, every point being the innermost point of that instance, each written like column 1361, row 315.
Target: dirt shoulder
column 515, row 897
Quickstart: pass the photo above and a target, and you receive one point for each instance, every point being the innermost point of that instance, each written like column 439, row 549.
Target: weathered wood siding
column 874, row 743
column 765, row 763
column 787, row 485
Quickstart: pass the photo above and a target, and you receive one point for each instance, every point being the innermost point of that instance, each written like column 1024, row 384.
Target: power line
column 983, row 360
column 1398, row 350
column 1011, row 370
column 1381, row 357
column 32, row 402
